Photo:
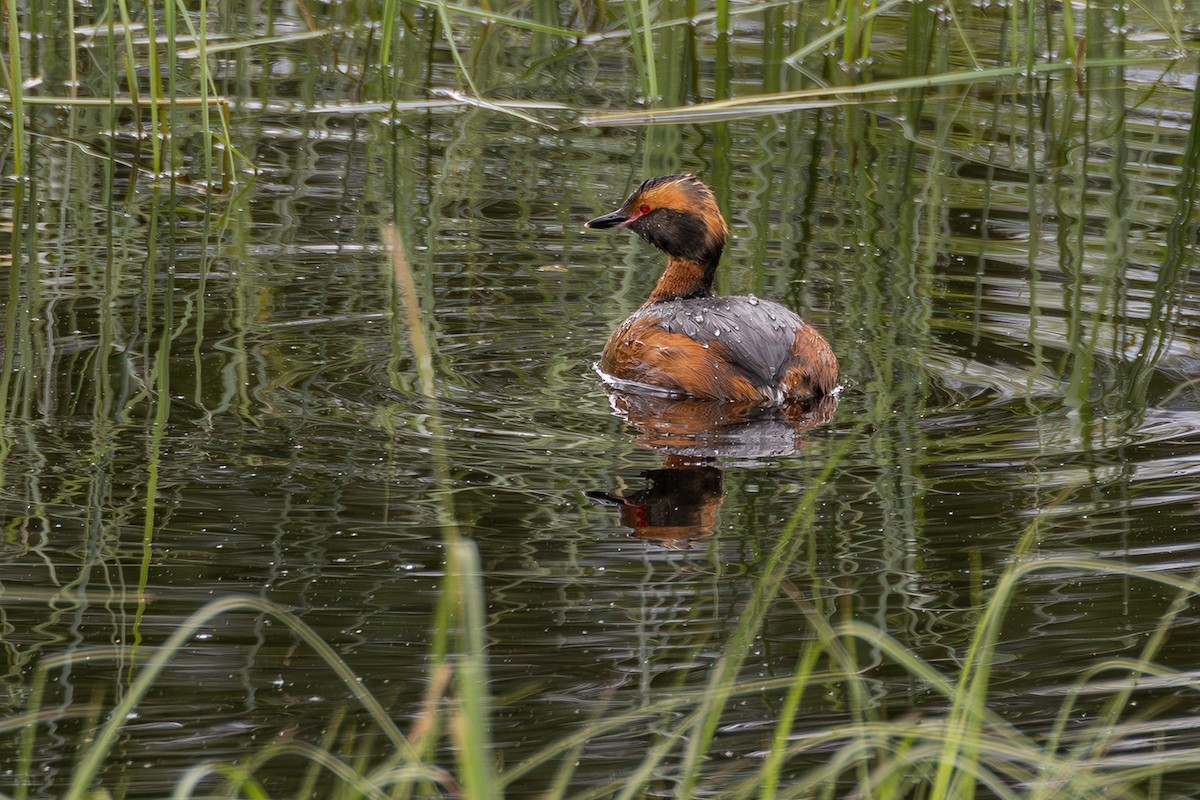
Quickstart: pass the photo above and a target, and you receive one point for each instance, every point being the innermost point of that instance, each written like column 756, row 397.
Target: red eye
column 643, row 209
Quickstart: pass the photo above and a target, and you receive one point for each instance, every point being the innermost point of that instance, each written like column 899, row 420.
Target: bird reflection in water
column 699, row 375
column 681, row 500
column 678, row 506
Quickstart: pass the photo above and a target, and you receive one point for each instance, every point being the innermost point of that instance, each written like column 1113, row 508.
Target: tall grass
column 15, row 74
column 648, row 34
column 964, row 750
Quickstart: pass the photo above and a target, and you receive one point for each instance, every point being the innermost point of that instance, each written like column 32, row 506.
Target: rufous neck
column 682, row 279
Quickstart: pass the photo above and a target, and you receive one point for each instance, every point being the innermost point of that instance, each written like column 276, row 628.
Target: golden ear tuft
column 682, row 192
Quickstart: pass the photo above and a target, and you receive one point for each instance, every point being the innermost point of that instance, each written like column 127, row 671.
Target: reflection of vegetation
column 908, row 142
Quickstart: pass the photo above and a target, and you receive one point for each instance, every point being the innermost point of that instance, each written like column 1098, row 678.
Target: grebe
column 685, row 341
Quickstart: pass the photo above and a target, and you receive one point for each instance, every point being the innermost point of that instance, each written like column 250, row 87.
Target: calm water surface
column 1011, row 298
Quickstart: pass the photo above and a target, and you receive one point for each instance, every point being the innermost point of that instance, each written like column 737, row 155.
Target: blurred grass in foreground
column 965, row 749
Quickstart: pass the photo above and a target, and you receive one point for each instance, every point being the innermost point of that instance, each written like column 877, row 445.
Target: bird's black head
column 678, row 214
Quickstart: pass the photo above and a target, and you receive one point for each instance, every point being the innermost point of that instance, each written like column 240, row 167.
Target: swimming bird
column 684, row 341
